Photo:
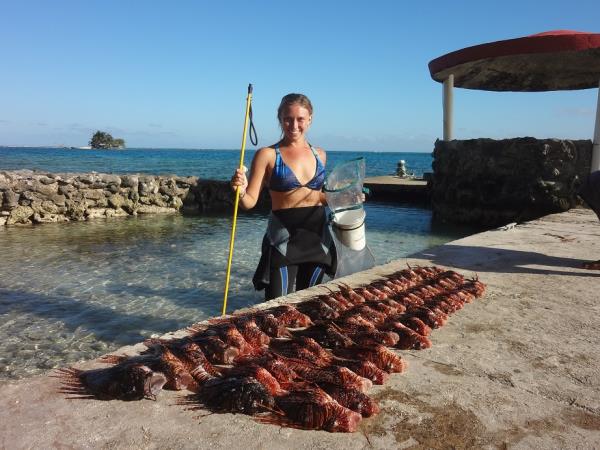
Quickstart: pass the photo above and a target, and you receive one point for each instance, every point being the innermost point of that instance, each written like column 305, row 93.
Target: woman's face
column 295, row 121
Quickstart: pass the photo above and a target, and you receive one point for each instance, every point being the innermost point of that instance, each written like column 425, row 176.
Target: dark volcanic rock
column 493, row 182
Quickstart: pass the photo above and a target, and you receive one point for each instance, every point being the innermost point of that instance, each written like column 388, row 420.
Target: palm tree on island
column 104, row 140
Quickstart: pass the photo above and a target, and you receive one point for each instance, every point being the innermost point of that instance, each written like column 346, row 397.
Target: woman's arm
column 250, row 189
column 322, row 198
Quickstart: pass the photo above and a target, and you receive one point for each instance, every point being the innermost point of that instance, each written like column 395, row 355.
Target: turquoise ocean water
column 73, row 291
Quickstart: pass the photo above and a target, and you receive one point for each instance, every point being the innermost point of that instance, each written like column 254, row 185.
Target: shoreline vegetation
column 105, row 141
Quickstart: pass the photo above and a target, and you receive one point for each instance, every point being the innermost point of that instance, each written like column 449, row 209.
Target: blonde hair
column 291, row 99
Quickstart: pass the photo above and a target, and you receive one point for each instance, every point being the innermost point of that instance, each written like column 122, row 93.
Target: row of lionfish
column 305, row 365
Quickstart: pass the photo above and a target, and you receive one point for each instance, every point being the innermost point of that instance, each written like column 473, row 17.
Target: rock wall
column 494, row 182
column 28, row 197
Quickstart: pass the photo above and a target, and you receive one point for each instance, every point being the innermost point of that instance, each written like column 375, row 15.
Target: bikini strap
column 314, row 150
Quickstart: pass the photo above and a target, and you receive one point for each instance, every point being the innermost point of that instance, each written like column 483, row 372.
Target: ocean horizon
column 84, row 147
column 216, row 164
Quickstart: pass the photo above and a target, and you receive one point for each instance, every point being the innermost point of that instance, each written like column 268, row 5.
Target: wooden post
column 596, row 146
column 448, row 105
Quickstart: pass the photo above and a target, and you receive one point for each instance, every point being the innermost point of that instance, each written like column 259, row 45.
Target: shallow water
column 74, row 291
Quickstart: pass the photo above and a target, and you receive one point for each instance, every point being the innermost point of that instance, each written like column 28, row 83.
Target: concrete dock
column 515, row 369
column 391, row 187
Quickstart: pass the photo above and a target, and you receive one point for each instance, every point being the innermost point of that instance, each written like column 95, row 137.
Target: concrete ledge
column 516, row 369
column 390, row 187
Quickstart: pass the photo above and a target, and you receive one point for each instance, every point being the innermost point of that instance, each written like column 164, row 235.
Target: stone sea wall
column 28, row 197
column 494, row 182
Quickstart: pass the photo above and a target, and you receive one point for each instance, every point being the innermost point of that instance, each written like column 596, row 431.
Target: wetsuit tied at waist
column 295, row 236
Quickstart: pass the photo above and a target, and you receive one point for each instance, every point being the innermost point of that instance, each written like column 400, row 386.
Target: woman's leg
column 281, row 282
column 309, row 275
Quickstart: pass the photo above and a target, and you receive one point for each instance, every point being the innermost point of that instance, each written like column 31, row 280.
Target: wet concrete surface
column 515, row 369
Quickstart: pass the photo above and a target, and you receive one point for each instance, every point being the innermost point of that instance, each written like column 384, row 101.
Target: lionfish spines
column 305, row 365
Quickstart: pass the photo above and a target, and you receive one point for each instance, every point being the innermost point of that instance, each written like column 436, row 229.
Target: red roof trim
column 546, row 42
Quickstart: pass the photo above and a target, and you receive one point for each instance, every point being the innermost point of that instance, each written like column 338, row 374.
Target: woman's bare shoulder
column 264, row 154
column 322, row 154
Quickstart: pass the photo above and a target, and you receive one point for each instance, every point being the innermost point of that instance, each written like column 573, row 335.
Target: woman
column 297, row 248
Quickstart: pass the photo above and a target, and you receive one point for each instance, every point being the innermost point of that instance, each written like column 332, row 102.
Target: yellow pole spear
column 237, row 198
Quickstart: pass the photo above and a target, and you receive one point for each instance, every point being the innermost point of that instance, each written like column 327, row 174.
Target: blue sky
column 174, row 74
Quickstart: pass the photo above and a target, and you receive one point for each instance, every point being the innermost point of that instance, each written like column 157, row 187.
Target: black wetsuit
column 297, row 248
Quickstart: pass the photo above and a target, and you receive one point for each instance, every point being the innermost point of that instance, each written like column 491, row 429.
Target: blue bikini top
column 284, row 180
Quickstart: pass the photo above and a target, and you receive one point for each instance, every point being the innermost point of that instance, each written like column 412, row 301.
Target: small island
column 103, row 140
